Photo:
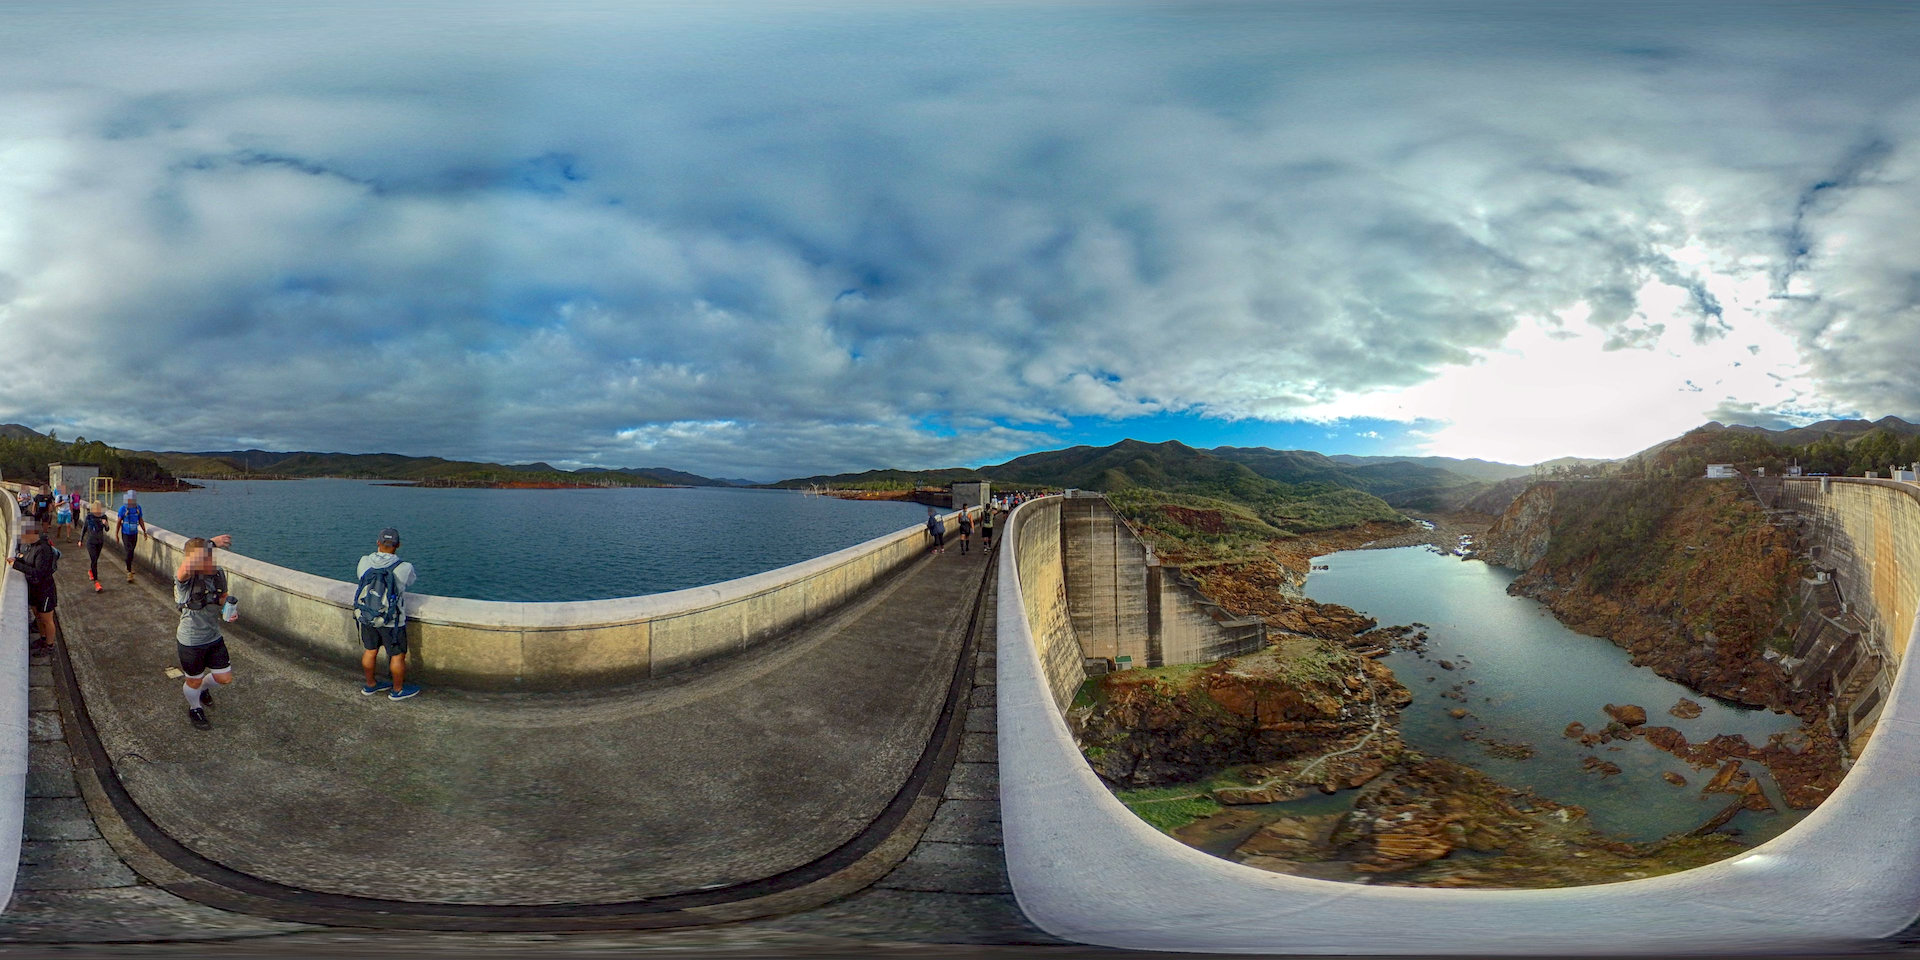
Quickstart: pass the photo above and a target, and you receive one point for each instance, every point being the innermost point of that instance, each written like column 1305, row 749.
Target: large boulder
column 1627, row 714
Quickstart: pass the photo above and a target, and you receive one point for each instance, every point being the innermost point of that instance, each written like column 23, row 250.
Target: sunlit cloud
column 779, row 239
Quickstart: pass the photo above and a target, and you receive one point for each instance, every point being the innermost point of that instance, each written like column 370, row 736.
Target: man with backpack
column 37, row 560
column 380, row 607
column 132, row 525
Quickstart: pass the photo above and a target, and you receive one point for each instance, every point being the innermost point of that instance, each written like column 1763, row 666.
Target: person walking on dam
column 199, row 591
column 94, row 534
column 966, row 530
column 986, row 527
column 37, row 560
column 936, row 530
column 380, row 607
column 132, row 525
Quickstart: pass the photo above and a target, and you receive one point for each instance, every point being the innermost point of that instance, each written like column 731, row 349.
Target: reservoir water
column 529, row 545
column 1524, row 677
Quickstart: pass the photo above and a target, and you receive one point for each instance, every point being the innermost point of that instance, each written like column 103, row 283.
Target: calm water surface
column 1531, row 677
column 529, row 545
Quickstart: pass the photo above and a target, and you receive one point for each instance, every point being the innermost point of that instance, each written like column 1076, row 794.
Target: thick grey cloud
column 773, row 240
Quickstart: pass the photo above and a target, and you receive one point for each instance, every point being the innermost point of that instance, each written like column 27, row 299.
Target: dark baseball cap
column 389, row 537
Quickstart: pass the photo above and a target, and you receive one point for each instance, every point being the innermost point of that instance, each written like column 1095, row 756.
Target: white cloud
column 591, row 235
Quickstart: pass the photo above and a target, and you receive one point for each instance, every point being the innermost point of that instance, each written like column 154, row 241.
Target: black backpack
column 203, row 591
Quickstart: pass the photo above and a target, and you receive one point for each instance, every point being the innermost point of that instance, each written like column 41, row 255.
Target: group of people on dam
column 200, row 592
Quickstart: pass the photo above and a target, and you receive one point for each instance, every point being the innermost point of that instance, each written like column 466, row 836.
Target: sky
column 769, row 240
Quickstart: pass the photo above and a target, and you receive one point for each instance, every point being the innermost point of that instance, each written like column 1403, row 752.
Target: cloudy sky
column 768, row 240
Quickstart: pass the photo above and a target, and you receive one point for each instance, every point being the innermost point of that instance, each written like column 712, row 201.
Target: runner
column 380, row 606
column 132, row 525
column 966, row 529
column 37, row 560
column 986, row 526
column 94, row 535
column 199, row 588
column 42, row 507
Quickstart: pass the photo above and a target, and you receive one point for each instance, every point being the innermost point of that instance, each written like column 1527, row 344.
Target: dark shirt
column 95, row 530
column 36, row 563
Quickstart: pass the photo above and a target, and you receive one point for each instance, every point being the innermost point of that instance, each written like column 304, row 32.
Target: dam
column 870, row 747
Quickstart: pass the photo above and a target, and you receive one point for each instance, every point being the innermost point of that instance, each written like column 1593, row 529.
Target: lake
column 1525, row 676
column 529, row 545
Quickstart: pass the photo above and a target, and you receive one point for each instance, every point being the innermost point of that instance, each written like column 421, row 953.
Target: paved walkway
column 724, row 775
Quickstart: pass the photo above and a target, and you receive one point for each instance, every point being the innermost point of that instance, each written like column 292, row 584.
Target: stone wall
column 495, row 645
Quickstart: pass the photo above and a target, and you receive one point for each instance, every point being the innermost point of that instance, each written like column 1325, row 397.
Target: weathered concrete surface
column 728, row 773
column 948, row 892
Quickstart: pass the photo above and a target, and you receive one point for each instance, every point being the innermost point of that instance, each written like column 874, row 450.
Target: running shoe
column 206, row 698
column 376, row 688
column 97, row 588
column 404, row 692
column 199, row 718
column 129, row 576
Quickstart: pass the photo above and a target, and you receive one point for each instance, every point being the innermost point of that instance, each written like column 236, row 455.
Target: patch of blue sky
column 1362, row 436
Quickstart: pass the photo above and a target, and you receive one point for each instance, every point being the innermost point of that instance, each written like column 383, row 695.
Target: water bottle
column 231, row 611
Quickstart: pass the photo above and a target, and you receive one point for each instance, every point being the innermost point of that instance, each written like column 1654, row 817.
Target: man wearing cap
column 132, row 525
column 381, row 609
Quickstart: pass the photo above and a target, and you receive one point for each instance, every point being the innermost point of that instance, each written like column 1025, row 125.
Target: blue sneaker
column 376, row 688
column 404, row 692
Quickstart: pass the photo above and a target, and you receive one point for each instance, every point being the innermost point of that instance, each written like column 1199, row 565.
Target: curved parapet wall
column 1871, row 534
column 495, row 645
column 1085, row 868
column 13, row 705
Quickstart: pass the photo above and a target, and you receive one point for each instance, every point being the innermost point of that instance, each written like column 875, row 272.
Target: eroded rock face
column 1689, row 578
column 1152, row 727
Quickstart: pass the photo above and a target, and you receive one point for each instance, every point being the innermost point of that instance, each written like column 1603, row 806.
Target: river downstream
column 1522, row 677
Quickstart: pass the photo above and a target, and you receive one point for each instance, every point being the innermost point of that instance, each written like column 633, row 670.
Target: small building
column 1794, row 470
column 971, row 494
column 1721, row 471
column 72, row 477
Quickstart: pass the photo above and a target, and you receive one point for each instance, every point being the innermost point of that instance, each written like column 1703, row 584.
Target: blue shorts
column 393, row 638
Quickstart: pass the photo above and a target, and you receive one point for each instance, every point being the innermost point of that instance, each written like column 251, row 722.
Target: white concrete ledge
column 489, row 644
column 13, row 706
column 1083, row 867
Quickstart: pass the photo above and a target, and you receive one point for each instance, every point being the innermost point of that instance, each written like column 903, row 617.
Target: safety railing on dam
column 499, row 645
column 13, row 706
column 1084, row 867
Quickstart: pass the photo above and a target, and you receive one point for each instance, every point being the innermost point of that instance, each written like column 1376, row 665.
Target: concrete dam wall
column 1865, row 541
column 1128, row 609
column 1085, row 868
column 499, row 645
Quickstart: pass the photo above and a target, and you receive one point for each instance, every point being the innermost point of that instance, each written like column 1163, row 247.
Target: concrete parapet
column 1084, row 867
column 14, row 733
column 498, row 645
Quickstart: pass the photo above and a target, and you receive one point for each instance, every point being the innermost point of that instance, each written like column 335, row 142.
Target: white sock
column 193, row 696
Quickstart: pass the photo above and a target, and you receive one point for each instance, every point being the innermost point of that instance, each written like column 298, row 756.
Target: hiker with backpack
column 380, row 607
column 38, row 560
column 938, row 531
column 132, row 525
column 966, row 529
column 200, row 594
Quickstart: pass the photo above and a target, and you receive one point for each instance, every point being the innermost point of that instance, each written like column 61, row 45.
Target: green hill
column 233, row 464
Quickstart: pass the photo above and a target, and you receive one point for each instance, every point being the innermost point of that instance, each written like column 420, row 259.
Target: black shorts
column 42, row 598
column 393, row 638
column 196, row 660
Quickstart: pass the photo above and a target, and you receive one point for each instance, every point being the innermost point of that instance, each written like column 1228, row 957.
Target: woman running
column 95, row 536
